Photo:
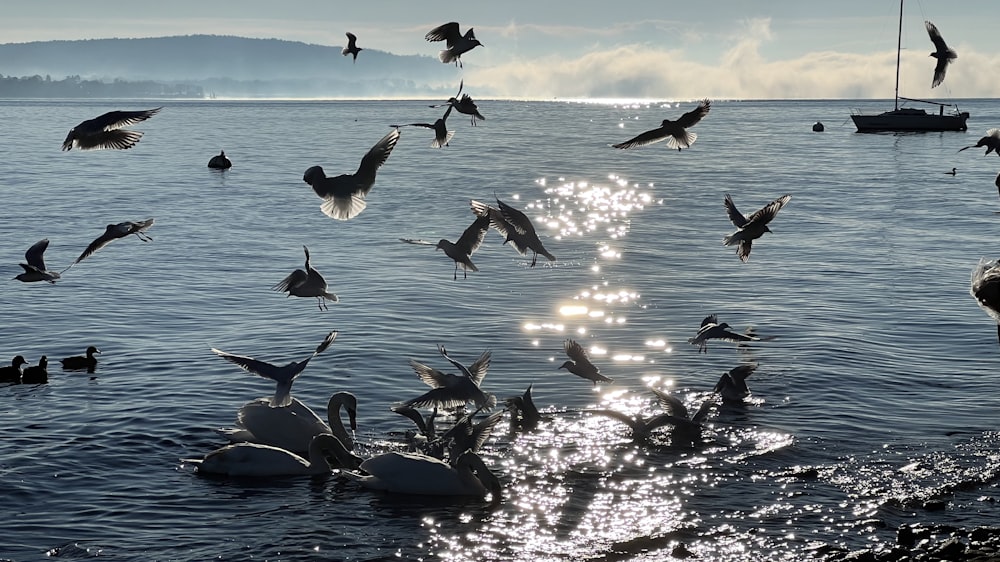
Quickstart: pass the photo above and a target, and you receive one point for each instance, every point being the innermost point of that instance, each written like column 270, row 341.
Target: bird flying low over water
column 711, row 329
column 674, row 132
column 751, row 227
column 991, row 141
column 464, row 104
column 352, row 46
column 106, row 132
column 732, row 386
column 942, row 53
column 114, row 232
column 282, row 376
column 35, row 269
column 461, row 250
column 514, row 226
column 448, row 391
column 985, row 288
column 442, row 136
column 579, row 363
column 307, row 283
column 344, row 195
column 458, row 44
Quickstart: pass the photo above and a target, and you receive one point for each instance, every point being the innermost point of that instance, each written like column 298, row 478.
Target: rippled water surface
column 874, row 400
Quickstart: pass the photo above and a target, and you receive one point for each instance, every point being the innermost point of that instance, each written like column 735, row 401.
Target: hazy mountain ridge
column 232, row 66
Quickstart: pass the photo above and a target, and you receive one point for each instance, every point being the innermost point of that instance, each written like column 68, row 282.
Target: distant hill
column 227, row 66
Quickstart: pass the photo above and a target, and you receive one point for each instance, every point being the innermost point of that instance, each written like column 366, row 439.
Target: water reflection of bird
column 674, row 132
column 750, row 227
column 711, row 329
column 464, row 104
column 942, row 53
column 352, row 46
column 344, row 195
column 732, row 386
column 35, row 269
column 461, row 250
column 457, row 43
column 283, row 376
column 442, row 136
column 105, row 131
column 991, row 141
column 985, row 288
column 514, row 226
column 307, row 283
column 115, row 231
column 580, row 365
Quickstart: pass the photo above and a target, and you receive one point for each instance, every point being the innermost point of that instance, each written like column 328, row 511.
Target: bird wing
column 515, row 218
column 692, row 117
column 735, row 216
column 577, row 353
column 248, row 364
column 445, row 32
column 34, row 255
column 326, row 343
column 742, row 372
column 351, row 39
column 496, row 217
column 727, row 335
column 473, row 236
column 936, row 38
column 111, row 233
column 766, row 213
column 671, row 404
column 939, row 71
column 118, row 119
column 294, row 279
column 649, row 137
column 429, row 375
column 374, row 159
column 703, row 411
column 710, row 319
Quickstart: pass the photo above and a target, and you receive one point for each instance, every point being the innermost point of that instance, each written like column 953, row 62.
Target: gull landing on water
column 942, row 53
column 750, row 227
column 442, row 136
column 105, row 132
column 458, row 44
column 711, row 329
column 464, row 104
column 461, row 251
column 514, row 226
column 308, row 283
column 674, row 132
column 35, row 269
column 344, row 195
column 282, row 376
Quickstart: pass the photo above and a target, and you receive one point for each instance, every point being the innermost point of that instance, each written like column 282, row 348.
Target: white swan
column 253, row 459
column 293, row 427
column 413, row 473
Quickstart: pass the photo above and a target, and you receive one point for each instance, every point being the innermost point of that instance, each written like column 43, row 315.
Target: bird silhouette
column 442, row 136
column 105, row 132
column 674, row 132
column 732, row 386
column 115, row 231
column 306, row 283
column 461, row 250
column 344, row 195
column 457, row 43
column 991, row 141
column 711, row 329
column 220, row 161
column 464, row 104
column 82, row 362
column 580, row 365
column 750, row 227
column 514, row 226
column 35, row 269
column 942, row 53
column 352, row 46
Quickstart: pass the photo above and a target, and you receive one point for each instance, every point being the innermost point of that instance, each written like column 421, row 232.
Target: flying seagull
column 458, row 44
column 106, row 132
column 464, row 104
column 114, row 232
column 344, row 195
column 352, row 46
column 942, row 53
column 461, row 251
column 442, row 136
column 579, row 363
column 711, row 329
column 991, row 141
column 985, row 288
column 35, row 269
column 732, row 386
column 750, row 227
column 282, row 376
column 674, row 132
column 514, row 226
column 308, row 283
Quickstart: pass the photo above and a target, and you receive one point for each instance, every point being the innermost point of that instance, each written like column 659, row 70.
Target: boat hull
column 909, row 120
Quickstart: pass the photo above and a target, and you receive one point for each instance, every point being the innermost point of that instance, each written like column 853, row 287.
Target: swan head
column 489, row 481
column 335, row 452
column 314, row 175
column 349, row 402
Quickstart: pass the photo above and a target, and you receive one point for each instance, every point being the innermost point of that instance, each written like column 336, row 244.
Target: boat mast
column 899, row 47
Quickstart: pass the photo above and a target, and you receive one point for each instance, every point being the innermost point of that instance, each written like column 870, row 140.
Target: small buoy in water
column 220, row 162
column 818, row 127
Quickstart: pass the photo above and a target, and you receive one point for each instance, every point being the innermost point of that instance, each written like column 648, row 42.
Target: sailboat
column 909, row 118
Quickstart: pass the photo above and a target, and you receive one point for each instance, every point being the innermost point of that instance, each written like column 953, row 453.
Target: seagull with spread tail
column 106, row 132
column 674, row 132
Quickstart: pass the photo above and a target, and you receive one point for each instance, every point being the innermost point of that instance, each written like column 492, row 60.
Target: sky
column 544, row 49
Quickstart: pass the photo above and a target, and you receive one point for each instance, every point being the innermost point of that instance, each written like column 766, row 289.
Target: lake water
column 874, row 405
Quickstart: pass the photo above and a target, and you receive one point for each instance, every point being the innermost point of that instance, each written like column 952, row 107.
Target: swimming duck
column 220, row 162
column 37, row 374
column 13, row 372
column 81, row 362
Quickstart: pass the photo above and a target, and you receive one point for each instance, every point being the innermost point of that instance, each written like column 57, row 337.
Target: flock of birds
column 281, row 436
